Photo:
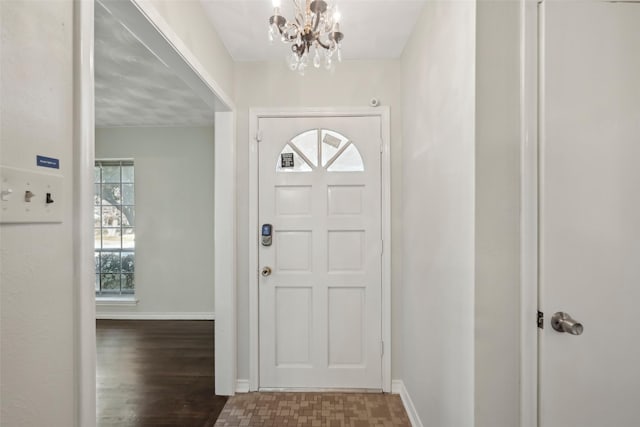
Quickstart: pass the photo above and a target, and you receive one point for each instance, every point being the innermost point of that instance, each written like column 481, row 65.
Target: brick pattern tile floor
column 314, row 410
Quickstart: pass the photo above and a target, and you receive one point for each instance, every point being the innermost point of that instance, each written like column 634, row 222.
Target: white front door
column 320, row 304
column 590, row 213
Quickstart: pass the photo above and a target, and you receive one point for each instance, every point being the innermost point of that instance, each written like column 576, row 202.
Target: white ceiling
column 134, row 87
column 374, row 29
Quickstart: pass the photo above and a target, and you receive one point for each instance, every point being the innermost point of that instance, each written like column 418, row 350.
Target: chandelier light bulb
column 276, row 3
column 336, row 16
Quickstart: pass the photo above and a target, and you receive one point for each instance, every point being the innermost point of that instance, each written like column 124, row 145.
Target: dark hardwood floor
column 156, row 373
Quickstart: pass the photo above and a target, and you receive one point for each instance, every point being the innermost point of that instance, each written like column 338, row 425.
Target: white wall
column 272, row 84
column 188, row 19
column 497, row 340
column 438, row 76
column 37, row 361
column 37, row 295
column 174, row 217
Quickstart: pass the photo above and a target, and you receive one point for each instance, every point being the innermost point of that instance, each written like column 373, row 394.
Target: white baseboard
column 397, row 387
column 155, row 316
column 116, row 302
column 242, row 386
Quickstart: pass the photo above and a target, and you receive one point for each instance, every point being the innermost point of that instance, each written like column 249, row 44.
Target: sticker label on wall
column 47, row 162
column 286, row 160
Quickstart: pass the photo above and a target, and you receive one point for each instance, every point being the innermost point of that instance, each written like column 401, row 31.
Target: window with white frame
column 114, row 227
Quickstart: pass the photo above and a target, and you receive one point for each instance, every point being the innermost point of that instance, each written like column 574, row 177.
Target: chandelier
column 316, row 27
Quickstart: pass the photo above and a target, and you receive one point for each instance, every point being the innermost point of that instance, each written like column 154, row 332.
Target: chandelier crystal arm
column 290, row 33
column 324, row 45
column 299, row 16
column 316, row 23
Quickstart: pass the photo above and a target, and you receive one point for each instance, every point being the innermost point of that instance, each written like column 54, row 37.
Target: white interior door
column 320, row 306
column 590, row 213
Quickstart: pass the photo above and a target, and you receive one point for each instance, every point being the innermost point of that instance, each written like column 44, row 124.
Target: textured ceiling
column 374, row 29
column 135, row 88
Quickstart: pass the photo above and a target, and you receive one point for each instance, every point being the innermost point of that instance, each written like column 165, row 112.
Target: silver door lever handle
column 266, row 271
column 563, row 322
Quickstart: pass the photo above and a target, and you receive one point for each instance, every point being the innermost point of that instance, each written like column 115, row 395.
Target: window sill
column 120, row 301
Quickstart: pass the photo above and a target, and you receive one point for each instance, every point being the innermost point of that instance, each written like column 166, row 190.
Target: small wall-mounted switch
column 6, row 194
column 28, row 196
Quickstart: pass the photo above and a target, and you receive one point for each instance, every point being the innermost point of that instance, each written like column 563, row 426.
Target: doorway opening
column 145, row 25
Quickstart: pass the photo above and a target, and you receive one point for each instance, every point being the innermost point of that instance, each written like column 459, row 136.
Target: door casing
column 254, row 115
column 529, row 63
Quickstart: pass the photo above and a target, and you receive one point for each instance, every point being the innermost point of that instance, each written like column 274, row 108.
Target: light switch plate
column 14, row 207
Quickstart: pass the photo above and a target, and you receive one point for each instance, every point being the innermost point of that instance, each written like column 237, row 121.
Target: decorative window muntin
column 325, row 147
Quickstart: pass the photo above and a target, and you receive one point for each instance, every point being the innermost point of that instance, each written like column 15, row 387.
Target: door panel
column 590, row 213
column 320, row 308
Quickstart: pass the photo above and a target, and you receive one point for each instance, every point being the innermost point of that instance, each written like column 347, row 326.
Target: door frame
column 254, row 115
column 530, row 131
column 173, row 50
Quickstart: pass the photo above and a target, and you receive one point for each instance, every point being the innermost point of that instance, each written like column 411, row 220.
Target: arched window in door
column 323, row 148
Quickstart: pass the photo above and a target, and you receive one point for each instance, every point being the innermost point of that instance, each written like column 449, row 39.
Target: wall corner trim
column 242, row 386
column 397, row 387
